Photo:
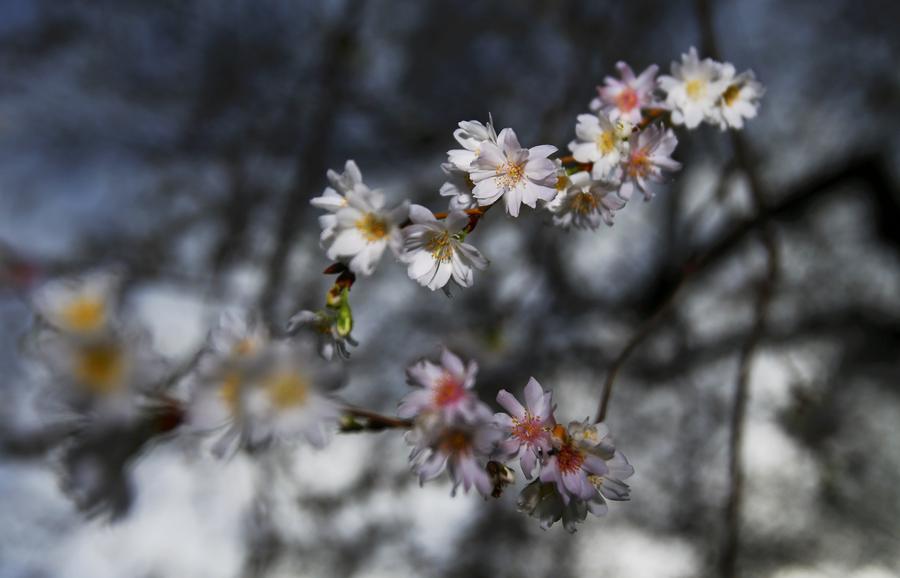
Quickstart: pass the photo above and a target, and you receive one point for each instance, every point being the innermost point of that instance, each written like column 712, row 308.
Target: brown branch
column 371, row 421
column 642, row 333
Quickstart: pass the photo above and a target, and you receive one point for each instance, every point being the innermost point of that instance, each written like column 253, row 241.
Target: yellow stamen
column 230, row 391
column 100, row 368
column 287, row 389
column 246, row 346
column 696, row 88
column 584, row 203
column 372, row 227
column 731, row 94
column 84, row 313
column 509, row 175
column 606, row 142
column 440, row 247
column 639, row 164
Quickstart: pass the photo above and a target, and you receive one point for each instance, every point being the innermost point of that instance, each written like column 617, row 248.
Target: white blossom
column 459, row 190
column 600, row 142
column 333, row 198
column 584, row 203
column 80, row 306
column 280, row 396
column 364, row 229
column 435, row 251
column 471, row 135
column 694, row 89
column 104, row 376
column 623, row 98
column 740, row 100
column 505, row 169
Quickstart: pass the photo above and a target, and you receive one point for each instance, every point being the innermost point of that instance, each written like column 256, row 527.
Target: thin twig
column 645, row 330
column 372, row 421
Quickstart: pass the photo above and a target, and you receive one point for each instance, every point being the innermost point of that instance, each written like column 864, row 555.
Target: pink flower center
column 569, row 458
column 639, row 164
column 448, row 391
column 528, row 430
column 455, row 442
column 627, row 99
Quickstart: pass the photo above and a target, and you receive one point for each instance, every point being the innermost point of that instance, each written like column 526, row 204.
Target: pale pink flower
column 650, row 154
column 462, row 448
column 528, row 428
column 445, row 389
column 623, row 98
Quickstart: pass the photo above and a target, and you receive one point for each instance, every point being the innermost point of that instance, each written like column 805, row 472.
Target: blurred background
column 180, row 142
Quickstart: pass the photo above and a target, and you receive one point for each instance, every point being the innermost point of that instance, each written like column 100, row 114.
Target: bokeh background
column 180, row 141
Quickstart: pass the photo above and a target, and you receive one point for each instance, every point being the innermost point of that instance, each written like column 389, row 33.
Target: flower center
column 731, row 94
column 528, row 430
column 230, row 390
column 639, row 164
column 696, row 88
column 584, row 203
column 448, row 391
column 287, row 389
column 606, row 142
column 440, row 247
column 455, row 442
column 84, row 313
column 510, row 175
column 569, row 459
column 627, row 99
column 373, row 227
column 100, row 368
column 246, row 346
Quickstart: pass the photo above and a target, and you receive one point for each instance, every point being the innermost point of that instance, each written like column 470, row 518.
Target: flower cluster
column 251, row 391
column 96, row 364
column 574, row 469
column 624, row 146
column 709, row 91
column 248, row 389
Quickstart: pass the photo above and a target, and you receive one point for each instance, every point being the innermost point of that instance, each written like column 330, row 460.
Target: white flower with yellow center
column 435, row 251
column 105, row 375
column 585, row 203
column 740, row 100
column 333, row 200
column 459, row 190
column 278, row 396
column 693, row 90
column 79, row 306
column 471, row 134
column 520, row 175
column 599, row 141
column 364, row 229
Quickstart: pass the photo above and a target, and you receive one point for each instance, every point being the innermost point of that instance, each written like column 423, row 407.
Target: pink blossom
column 650, row 154
column 446, row 389
column 624, row 98
column 461, row 448
column 528, row 430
